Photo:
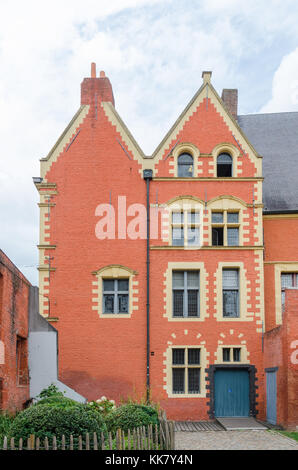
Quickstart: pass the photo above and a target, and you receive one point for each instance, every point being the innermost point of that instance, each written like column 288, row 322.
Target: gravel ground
column 234, row 440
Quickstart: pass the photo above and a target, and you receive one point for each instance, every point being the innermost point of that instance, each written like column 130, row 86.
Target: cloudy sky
column 153, row 51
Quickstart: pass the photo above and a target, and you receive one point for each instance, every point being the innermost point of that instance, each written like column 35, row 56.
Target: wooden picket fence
column 151, row 437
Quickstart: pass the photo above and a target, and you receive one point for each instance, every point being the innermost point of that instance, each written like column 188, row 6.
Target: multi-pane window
column 185, row 165
column 231, row 354
column 186, row 228
column 288, row 281
column 186, row 293
column 224, row 165
column 115, row 295
column 230, row 292
column 186, row 368
column 225, row 228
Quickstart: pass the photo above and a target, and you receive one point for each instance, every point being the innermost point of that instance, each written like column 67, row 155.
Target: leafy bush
column 51, row 390
column 5, row 424
column 48, row 421
column 58, row 401
column 131, row 416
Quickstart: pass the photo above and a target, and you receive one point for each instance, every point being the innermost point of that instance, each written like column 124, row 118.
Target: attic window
column 185, row 165
column 224, row 165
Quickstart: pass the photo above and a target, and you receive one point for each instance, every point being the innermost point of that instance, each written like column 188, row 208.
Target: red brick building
column 181, row 313
column 14, row 305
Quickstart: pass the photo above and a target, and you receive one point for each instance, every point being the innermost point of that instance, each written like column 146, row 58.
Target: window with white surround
column 186, row 370
column 186, row 228
column 115, row 296
column 186, row 293
column 225, row 228
column 230, row 293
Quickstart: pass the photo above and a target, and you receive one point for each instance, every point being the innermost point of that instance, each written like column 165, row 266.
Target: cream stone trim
column 232, row 151
column 186, row 147
column 116, row 272
column 244, row 315
column 280, row 216
column 204, row 362
column 244, row 354
column 168, row 291
column 284, row 267
column 232, row 124
column 64, row 139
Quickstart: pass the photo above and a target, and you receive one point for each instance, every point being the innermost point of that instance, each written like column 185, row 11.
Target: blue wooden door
column 231, row 392
column 271, row 396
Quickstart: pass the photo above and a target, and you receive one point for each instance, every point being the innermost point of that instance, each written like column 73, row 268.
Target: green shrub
column 51, row 390
column 5, row 425
column 48, row 421
column 131, row 416
column 58, row 401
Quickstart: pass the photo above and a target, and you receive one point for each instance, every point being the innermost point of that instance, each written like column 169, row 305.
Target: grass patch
column 291, row 434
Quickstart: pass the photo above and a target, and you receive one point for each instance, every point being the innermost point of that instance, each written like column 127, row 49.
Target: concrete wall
column 43, row 353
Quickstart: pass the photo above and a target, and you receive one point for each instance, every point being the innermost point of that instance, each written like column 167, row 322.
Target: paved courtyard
column 234, row 440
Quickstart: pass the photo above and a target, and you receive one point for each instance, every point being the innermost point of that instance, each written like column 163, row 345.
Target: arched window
column 185, row 165
column 224, row 165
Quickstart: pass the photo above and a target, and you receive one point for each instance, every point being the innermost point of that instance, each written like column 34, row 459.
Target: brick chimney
column 230, row 99
column 100, row 86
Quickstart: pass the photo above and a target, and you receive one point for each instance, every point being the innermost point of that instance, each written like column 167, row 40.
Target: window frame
column 186, row 366
column 116, row 293
column 225, row 225
column 185, row 290
column 181, row 165
column 294, row 278
column 224, row 152
column 185, row 225
column 238, row 313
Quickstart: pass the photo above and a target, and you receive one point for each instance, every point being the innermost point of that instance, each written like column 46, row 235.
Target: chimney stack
column 100, row 86
column 230, row 99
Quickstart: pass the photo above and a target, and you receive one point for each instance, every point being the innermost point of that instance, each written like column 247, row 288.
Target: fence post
column 63, row 442
column 110, row 441
column 46, row 444
column 54, row 443
column 87, row 441
column 5, row 443
column 80, row 443
column 71, row 442
column 37, row 445
column 20, row 444
column 172, row 433
column 95, row 443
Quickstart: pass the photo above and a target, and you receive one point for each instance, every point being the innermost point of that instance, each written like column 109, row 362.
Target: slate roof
column 275, row 137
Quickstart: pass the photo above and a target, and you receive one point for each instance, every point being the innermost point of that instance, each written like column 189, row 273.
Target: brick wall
column 280, row 350
column 14, row 298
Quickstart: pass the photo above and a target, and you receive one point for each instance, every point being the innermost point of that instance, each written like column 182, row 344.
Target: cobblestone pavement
column 233, row 440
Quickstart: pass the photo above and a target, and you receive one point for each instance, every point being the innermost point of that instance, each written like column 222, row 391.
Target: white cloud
column 153, row 52
column 284, row 86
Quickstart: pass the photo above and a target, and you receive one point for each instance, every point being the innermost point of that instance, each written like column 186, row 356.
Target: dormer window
column 224, row 165
column 185, row 165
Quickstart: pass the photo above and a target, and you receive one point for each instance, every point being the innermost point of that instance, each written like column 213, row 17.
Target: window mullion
column 116, row 297
column 185, row 299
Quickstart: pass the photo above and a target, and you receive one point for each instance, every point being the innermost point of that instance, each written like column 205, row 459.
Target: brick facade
column 96, row 161
column 14, row 299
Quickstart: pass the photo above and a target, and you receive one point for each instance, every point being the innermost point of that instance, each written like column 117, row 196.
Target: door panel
column 231, row 392
column 271, row 391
